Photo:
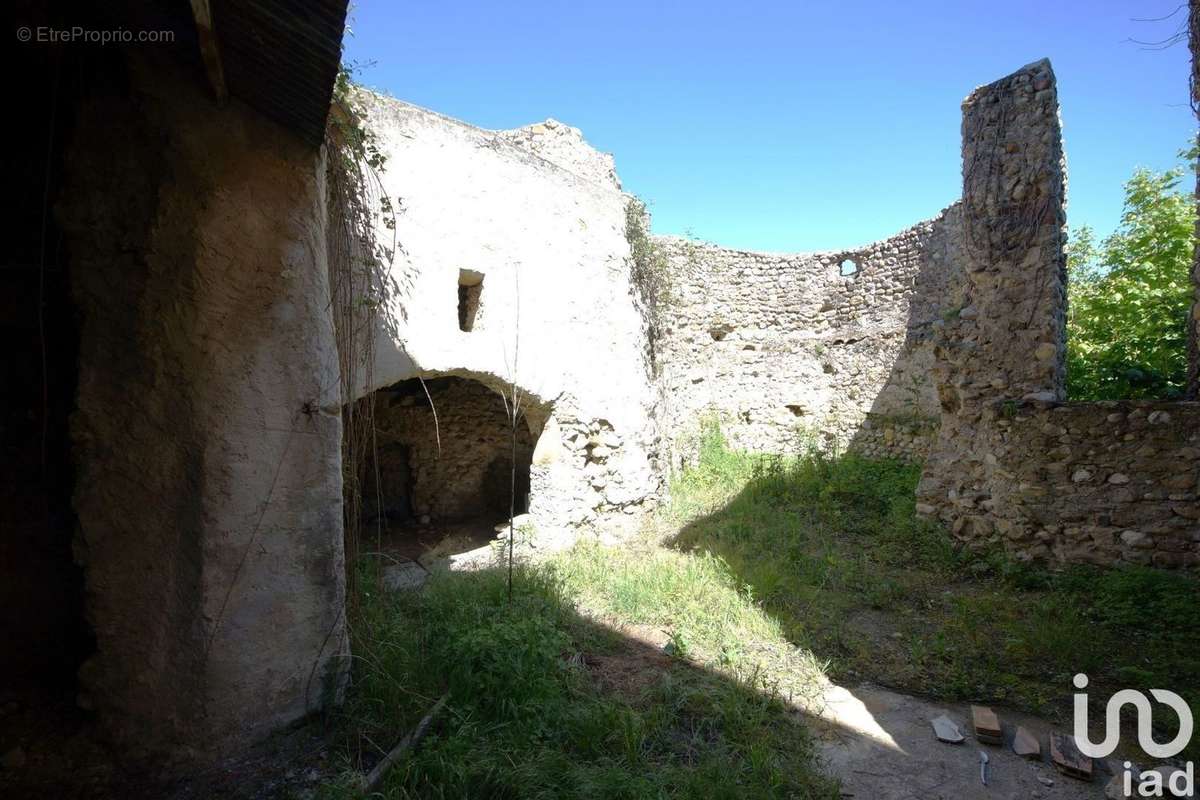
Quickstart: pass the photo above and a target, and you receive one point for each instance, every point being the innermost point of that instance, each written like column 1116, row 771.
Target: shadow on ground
column 831, row 547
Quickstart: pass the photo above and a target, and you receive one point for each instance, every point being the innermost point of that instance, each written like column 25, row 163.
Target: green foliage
column 527, row 719
column 358, row 144
column 1129, row 296
column 650, row 273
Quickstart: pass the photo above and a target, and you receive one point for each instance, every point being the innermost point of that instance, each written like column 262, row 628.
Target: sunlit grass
column 832, row 547
column 777, row 570
column 697, row 602
column 526, row 717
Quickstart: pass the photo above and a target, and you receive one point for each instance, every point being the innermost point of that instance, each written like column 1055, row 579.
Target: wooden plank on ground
column 986, row 725
column 1067, row 758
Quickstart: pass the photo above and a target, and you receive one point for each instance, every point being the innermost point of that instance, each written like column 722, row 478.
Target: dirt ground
column 881, row 744
column 423, row 542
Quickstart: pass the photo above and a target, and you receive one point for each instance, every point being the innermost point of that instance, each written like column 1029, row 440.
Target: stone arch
column 443, row 461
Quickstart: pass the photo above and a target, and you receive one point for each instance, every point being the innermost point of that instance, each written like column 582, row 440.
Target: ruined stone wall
column 909, row 356
column 565, row 147
column 775, row 345
column 947, row 345
column 1079, row 482
column 1007, row 342
column 536, row 220
column 208, row 482
column 1102, row 483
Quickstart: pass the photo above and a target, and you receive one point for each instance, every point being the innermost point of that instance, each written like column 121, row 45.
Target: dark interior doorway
column 443, row 476
column 42, row 624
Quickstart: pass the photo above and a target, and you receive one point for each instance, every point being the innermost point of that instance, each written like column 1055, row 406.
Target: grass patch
column 832, row 548
column 698, row 607
column 527, row 717
column 652, row 672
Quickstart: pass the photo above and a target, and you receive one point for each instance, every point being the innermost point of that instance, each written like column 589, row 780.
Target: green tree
column 1129, row 296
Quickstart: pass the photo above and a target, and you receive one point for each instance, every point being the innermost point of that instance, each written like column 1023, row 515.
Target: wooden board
column 986, row 725
column 1068, row 759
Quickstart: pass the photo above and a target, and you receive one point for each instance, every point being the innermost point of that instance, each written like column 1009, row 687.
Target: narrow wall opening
column 440, row 482
column 470, row 292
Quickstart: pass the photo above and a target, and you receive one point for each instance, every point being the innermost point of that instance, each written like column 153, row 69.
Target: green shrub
column 525, row 719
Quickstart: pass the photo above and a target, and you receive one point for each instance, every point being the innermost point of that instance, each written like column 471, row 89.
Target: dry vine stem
column 359, row 288
column 512, row 406
column 371, row 781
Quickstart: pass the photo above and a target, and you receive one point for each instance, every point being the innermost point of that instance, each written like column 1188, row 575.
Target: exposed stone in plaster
column 541, row 216
column 565, row 147
column 209, row 485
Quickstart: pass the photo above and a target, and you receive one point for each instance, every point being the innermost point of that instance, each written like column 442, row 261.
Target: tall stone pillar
column 1008, row 341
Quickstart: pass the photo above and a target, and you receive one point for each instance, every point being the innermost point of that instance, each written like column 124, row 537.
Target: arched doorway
column 444, row 467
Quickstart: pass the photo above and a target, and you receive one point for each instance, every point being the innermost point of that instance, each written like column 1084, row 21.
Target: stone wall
column 775, row 344
column 536, row 217
column 1102, row 483
column 1079, row 482
column 208, row 481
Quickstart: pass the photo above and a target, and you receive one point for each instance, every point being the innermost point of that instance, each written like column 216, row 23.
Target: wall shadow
column 903, row 417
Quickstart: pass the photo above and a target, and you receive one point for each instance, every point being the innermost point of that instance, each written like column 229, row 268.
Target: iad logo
column 1112, row 722
column 1151, row 784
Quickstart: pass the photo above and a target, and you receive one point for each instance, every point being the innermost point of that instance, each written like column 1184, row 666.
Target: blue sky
column 798, row 125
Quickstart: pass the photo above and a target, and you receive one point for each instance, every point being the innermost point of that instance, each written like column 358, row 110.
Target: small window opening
column 719, row 332
column 470, row 290
column 848, row 267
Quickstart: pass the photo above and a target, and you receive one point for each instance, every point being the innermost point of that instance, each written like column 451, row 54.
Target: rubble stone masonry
column 1013, row 464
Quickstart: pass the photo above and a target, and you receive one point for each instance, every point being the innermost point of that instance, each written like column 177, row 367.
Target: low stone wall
column 886, row 436
column 780, row 345
column 1103, row 483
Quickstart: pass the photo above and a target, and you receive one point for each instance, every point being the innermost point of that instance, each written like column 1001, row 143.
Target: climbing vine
column 650, row 273
column 363, row 295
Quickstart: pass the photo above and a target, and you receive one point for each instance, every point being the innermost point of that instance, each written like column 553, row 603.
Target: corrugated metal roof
column 282, row 57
